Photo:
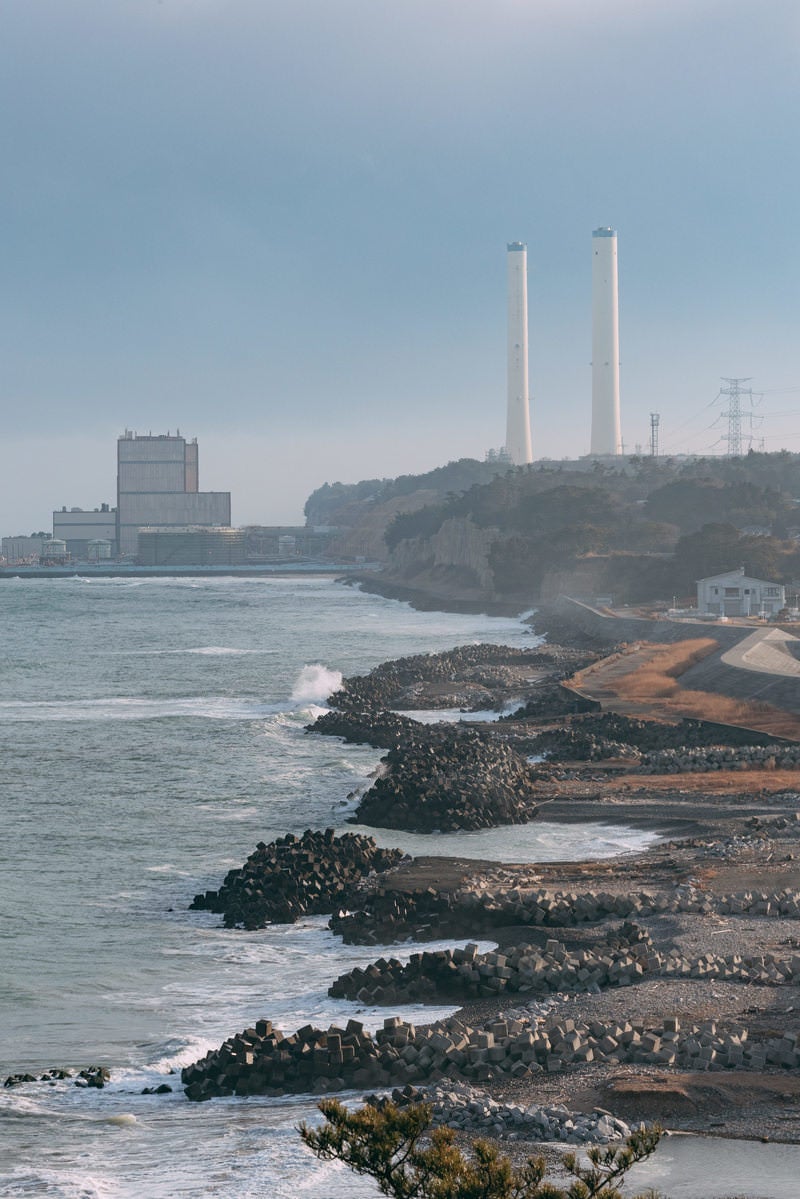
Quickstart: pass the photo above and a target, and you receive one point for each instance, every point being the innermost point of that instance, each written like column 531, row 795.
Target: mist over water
column 152, row 732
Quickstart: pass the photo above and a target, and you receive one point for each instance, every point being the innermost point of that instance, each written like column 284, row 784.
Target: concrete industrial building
column 273, row 543
column 192, row 546
column 157, row 486
column 78, row 528
column 736, row 594
column 518, row 416
column 606, row 432
column 23, row 549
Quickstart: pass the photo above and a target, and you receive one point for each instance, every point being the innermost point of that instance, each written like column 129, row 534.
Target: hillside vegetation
column 640, row 530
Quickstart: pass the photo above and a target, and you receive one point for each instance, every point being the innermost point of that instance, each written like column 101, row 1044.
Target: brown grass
column 657, row 677
column 714, row 782
column 643, row 681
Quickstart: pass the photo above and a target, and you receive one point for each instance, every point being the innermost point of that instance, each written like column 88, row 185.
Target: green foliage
column 332, row 503
column 323, row 504
column 564, row 507
column 408, row 1161
column 553, row 524
column 716, row 548
column 422, row 523
column 690, row 503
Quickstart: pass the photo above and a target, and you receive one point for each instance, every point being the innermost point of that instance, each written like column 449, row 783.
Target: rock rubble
column 459, row 779
column 718, row 757
column 262, row 1061
column 479, row 673
column 91, row 1076
column 469, row 1109
column 294, row 877
column 385, row 917
column 466, row 974
column 610, row 735
column 381, row 729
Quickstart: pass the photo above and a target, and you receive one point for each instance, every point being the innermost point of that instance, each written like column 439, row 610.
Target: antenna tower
column 738, row 414
column 655, row 421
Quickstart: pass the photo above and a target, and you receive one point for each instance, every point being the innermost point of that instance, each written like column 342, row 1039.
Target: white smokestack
column 606, row 435
column 518, row 419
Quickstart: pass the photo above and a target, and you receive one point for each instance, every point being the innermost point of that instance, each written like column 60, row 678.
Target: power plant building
column 79, row 528
column 518, row 416
column 157, row 486
column 23, row 549
column 192, row 546
column 606, row 432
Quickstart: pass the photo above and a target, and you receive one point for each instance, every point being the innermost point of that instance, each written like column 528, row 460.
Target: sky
column 281, row 226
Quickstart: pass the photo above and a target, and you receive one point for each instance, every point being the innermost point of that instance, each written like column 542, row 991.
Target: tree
column 409, row 1161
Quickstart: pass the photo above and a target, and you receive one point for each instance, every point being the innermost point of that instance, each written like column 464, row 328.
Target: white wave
column 136, row 708
column 539, row 841
column 300, row 961
column 180, row 1053
column 316, row 682
column 65, row 1184
column 214, row 651
column 302, row 716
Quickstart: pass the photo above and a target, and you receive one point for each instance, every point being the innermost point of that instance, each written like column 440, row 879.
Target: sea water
column 152, row 733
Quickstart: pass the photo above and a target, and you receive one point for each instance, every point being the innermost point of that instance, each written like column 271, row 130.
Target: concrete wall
column 610, row 630
column 714, row 675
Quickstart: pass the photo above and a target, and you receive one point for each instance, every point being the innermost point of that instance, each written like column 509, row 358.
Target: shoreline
column 428, row 601
column 241, row 972
column 87, row 571
column 719, row 832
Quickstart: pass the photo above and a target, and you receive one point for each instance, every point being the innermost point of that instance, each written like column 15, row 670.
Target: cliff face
column 456, row 555
column 369, row 523
column 456, row 561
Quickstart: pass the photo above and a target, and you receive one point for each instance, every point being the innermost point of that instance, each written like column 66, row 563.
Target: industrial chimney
column 606, row 435
column 518, row 419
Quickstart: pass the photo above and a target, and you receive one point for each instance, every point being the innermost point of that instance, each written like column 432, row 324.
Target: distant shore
column 117, row 571
column 447, row 600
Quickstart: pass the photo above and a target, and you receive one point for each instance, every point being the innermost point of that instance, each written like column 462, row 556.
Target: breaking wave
column 316, row 682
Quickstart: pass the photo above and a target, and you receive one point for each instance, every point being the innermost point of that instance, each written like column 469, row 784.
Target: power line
column 674, row 440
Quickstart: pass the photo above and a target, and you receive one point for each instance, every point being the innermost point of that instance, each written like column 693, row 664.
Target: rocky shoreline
column 685, row 1012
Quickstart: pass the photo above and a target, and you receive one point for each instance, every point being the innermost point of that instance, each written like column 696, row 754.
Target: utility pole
column 655, row 421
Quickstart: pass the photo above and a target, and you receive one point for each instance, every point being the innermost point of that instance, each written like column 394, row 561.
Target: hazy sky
column 281, row 224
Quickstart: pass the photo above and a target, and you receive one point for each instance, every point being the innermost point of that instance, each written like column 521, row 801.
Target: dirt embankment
column 645, row 680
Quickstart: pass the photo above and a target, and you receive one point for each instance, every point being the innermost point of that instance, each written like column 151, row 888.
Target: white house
column 736, row 594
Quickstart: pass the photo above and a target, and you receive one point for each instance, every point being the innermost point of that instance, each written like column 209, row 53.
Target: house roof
column 740, row 577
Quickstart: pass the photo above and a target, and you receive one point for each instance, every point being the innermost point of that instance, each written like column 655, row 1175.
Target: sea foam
column 316, row 682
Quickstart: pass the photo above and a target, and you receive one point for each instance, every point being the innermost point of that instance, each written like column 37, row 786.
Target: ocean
column 152, row 733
